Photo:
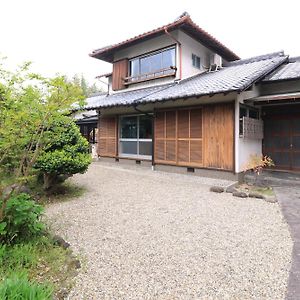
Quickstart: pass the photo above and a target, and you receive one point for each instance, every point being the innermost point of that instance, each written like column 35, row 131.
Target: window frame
column 137, row 139
column 194, row 60
column 149, row 54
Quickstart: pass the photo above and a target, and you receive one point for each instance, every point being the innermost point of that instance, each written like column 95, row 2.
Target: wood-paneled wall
column 107, row 139
column 197, row 137
column 218, row 136
column 120, row 70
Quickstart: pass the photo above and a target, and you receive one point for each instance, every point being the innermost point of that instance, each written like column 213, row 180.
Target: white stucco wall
column 244, row 148
column 191, row 46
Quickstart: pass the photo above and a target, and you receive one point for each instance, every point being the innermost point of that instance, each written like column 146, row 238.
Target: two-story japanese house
column 179, row 99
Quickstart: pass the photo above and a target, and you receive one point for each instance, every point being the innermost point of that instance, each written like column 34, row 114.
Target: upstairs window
column 154, row 62
column 196, row 61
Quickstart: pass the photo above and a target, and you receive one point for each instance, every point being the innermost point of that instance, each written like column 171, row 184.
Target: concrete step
column 273, row 178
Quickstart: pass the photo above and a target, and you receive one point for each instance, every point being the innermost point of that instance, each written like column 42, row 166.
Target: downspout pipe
column 180, row 50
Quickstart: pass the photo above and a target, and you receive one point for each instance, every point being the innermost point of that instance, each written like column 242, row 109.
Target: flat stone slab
column 289, row 200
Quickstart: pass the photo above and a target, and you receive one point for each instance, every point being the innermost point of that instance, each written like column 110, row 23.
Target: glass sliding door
column 136, row 136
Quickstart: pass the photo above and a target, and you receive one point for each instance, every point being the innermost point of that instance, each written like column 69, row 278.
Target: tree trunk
column 4, row 197
column 49, row 180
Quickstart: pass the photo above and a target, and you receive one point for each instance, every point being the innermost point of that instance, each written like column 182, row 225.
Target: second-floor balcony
column 162, row 73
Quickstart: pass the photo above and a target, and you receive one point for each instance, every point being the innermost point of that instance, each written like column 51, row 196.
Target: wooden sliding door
column 178, row 137
column 107, row 139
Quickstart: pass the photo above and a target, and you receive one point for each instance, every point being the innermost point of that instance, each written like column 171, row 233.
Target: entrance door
column 282, row 140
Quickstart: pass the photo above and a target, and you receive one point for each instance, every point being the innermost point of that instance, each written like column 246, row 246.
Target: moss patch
column 265, row 191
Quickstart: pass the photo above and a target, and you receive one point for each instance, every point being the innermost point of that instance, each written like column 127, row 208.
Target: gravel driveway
column 154, row 235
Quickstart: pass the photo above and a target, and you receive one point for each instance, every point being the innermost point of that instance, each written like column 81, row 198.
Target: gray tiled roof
column 288, row 71
column 122, row 98
column 94, row 101
column 236, row 76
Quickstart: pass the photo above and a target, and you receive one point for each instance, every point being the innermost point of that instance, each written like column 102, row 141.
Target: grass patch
column 38, row 266
column 18, row 287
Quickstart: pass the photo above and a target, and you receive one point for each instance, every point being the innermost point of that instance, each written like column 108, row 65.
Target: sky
column 58, row 35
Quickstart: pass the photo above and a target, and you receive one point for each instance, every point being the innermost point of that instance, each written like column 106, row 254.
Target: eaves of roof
column 185, row 23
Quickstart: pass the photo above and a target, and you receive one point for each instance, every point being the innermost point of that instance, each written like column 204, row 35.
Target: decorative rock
column 76, row 263
column 8, row 190
column 231, row 189
column 271, row 199
column 217, row 189
column 58, row 240
column 25, row 189
column 240, row 194
column 256, row 195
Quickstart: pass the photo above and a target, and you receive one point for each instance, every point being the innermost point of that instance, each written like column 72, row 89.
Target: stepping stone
column 217, row 189
column 271, row 199
column 231, row 189
column 240, row 194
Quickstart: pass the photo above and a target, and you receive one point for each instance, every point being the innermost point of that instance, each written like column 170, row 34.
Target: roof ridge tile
column 256, row 58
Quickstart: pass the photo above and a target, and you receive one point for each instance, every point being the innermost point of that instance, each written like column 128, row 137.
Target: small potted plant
column 257, row 163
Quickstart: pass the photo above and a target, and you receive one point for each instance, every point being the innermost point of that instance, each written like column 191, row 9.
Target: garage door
column 282, row 140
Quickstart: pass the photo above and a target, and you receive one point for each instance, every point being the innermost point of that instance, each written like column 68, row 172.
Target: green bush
column 21, row 219
column 18, row 287
column 67, row 153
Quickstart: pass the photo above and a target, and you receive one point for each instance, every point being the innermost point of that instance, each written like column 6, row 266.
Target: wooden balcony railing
column 171, row 71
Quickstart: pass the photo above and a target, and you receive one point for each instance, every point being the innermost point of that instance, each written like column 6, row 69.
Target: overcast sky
column 58, row 35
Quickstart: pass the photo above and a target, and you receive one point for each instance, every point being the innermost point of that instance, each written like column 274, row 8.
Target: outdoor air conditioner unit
column 215, row 62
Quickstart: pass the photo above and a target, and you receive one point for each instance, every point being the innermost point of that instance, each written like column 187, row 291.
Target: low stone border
column 242, row 194
column 59, row 241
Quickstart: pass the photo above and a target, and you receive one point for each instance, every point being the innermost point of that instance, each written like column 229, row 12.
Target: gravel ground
column 154, row 235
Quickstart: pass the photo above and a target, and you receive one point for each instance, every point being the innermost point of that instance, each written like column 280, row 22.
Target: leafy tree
column 87, row 89
column 29, row 106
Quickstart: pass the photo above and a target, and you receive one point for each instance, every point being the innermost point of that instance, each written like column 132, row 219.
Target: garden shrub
column 67, row 153
column 21, row 220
